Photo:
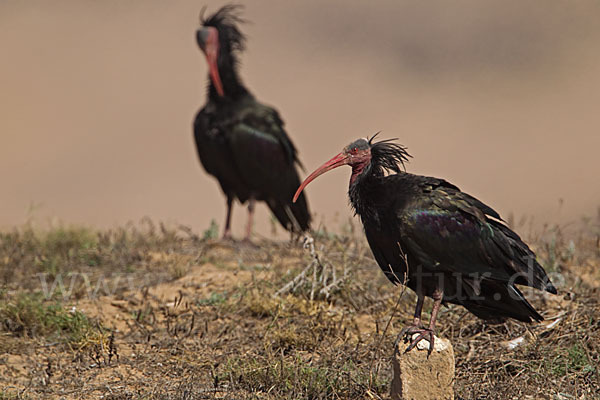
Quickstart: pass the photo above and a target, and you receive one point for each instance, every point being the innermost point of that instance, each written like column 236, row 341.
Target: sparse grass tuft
column 296, row 378
column 214, row 299
column 573, row 360
column 256, row 304
column 29, row 315
column 28, row 256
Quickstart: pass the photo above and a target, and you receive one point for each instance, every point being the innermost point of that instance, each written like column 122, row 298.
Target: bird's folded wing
column 457, row 233
column 262, row 151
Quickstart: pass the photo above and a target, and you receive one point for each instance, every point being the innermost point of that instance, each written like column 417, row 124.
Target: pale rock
column 418, row 377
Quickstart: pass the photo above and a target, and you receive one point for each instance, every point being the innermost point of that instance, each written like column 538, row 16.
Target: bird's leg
column 251, row 204
column 227, row 231
column 438, row 295
column 430, row 330
column 416, row 326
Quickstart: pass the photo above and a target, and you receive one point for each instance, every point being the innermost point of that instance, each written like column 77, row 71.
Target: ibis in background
column 240, row 141
column 442, row 243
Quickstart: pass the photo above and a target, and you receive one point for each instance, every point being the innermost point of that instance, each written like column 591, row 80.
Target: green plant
column 212, row 232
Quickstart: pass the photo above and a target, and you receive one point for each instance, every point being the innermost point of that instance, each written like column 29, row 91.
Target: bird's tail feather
column 294, row 217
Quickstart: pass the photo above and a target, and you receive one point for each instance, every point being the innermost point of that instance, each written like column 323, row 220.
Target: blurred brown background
column 97, row 100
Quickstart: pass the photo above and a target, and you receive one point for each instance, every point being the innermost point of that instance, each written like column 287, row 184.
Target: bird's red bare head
column 220, row 40
column 208, row 40
column 357, row 154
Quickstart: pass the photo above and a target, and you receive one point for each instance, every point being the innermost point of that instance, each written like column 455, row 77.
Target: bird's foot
column 227, row 237
column 416, row 329
column 410, row 330
column 425, row 333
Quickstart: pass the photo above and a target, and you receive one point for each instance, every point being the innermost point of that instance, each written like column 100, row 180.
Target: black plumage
column 241, row 141
column 440, row 241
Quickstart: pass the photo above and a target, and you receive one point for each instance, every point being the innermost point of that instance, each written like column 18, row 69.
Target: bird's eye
column 354, row 150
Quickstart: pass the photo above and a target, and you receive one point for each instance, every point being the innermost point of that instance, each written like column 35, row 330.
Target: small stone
column 418, row 377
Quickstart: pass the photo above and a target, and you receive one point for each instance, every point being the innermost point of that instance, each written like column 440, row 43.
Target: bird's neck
column 232, row 84
column 363, row 190
column 359, row 170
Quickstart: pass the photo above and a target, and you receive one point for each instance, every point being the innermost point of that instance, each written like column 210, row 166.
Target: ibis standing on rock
column 439, row 241
column 240, row 141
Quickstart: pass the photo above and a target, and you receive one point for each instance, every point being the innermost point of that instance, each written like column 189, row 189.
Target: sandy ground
column 222, row 328
column 98, row 99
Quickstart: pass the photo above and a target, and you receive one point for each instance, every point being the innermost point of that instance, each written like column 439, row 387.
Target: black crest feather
column 226, row 20
column 387, row 155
